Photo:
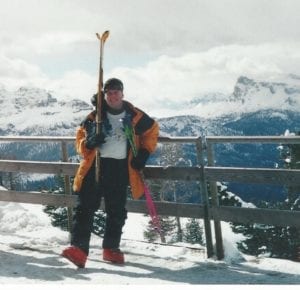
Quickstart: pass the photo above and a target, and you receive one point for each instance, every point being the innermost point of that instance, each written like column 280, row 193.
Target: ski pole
column 151, row 206
column 129, row 132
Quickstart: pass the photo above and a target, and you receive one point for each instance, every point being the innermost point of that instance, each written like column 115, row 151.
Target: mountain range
column 255, row 107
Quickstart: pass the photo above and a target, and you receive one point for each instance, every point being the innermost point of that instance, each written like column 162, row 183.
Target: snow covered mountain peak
column 33, row 111
column 33, row 97
column 249, row 95
column 36, row 111
column 267, row 94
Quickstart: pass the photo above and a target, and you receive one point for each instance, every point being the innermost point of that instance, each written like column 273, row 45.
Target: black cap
column 113, row 84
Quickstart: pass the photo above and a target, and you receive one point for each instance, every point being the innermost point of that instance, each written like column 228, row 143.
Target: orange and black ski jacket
column 146, row 134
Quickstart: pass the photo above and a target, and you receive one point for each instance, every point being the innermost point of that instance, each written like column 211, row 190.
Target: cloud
column 165, row 51
column 74, row 84
column 157, row 27
column 215, row 70
column 17, row 72
column 168, row 80
column 17, row 68
column 141, row 31
column 34, row 17
column 50, row 43
column 46, row 45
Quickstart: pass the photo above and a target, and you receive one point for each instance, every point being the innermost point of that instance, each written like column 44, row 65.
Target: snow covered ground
column 30, row 254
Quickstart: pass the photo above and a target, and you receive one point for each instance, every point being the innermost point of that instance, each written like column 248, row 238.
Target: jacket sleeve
column 147, row 131
column 86, row 162
column 80, row 142
column 148, row 139
column 81, row 137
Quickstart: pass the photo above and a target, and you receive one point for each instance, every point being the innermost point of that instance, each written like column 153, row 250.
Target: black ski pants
column 113, row 187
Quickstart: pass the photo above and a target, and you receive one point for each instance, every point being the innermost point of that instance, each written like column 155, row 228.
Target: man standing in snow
column 119, row 168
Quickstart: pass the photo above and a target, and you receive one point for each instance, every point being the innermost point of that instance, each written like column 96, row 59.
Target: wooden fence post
column 204, row 196
column 215, row 203
column 67, row 185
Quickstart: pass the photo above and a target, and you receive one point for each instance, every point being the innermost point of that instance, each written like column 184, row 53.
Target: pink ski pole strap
column 152, row 209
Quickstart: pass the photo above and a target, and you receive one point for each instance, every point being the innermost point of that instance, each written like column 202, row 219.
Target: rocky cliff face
column 34, row 111
column 267, row 95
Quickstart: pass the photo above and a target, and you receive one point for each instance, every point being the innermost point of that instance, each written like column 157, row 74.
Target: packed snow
column 30, row 254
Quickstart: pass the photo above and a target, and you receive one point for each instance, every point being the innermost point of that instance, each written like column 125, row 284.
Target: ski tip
column 104, row 35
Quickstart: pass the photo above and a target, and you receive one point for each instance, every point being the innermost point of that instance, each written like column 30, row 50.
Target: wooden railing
column 202, row 173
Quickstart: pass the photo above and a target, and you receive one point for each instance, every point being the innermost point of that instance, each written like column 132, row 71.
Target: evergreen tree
column 59, row 215
column 168, row 190
column 193, row 232
column 10, row 180
column 225, row 197
column 276, row 241
column 291, row 235
column 168, row 226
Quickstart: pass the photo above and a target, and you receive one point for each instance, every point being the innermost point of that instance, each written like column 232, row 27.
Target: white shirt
column 115, row 145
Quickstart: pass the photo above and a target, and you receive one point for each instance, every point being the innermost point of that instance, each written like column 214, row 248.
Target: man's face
column 114, row 99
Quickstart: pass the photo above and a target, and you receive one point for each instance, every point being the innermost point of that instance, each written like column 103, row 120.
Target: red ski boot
column 75, row 255
column 113, row 255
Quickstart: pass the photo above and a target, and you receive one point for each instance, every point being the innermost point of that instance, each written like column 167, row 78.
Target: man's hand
column 140, row 160
column 94, row 140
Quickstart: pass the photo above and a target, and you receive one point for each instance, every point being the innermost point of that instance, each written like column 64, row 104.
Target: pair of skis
column 150, row 205
column 102, row 40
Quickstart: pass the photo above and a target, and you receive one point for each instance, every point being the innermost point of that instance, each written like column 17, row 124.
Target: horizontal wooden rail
column 254, row 139
column 189, row 210
column 253, row 175
column 173, row 173
column 47, row 139
column 233, row 174
column 256, row 215
column 137, row 206
column 178, row 139
column 67, row 168
column 38, row 198
column 166, row 139
column 38, row 139
column 223, row 213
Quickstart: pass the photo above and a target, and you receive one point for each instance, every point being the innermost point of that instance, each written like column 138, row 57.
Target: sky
column 164, row 51
column 30, row 250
